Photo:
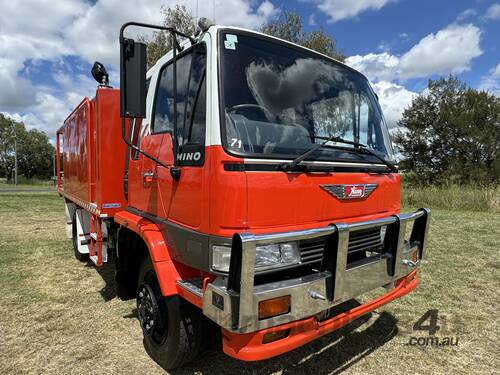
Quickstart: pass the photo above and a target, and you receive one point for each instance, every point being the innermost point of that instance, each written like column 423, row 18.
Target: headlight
column 275, row 255
column 266, row 256
column 383, row 231
column 221, row 255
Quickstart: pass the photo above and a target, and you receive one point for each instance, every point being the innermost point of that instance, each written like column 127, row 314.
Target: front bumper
column 249, row 347
column 233, row 302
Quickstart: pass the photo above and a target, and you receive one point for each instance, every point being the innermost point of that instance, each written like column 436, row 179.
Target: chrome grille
column 365, row 240
column 311, row 251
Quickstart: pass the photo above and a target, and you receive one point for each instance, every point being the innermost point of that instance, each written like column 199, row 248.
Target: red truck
column 242, row 179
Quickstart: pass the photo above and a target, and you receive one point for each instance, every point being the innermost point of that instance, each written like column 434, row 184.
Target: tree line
column 450, row 134
column 34, row 151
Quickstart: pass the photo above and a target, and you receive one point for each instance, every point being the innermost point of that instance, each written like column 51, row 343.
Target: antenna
column 196, row 11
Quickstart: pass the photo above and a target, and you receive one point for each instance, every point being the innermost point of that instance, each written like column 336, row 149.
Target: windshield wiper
column 299, row 159
column 361, row 149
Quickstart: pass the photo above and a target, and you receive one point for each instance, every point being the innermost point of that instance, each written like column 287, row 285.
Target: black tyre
column 81, row 257
column 171, row 327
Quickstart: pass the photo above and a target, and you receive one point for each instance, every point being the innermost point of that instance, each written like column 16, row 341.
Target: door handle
column 148, row 177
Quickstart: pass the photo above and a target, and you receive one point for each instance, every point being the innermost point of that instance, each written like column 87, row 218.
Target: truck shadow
column 330, row 354
column 107, row 273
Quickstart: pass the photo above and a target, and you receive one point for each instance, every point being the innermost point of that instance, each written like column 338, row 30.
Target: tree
column 177, row 17
column 289, row 27
column 35, row 155
column 451, row 134
column 8, row 130
column 34, row 151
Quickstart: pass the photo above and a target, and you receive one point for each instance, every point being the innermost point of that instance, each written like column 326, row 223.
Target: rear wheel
column 81, row 257
column 171, row 327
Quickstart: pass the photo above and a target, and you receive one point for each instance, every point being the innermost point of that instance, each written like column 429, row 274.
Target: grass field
column 24, row 183
column 465, row 197
column 58, row 316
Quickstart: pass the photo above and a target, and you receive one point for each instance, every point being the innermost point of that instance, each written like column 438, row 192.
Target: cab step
column 195, row 286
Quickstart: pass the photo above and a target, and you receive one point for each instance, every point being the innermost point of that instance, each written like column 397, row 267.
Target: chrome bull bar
column 233, row 302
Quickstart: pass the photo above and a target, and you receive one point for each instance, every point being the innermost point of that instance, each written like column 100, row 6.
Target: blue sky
column 47, row 47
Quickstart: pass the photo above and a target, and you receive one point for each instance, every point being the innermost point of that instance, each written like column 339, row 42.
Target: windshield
column 276, row 98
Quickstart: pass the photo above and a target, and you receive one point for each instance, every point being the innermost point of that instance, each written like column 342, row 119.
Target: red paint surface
column 94, row 153
column 249, row 347
column 168, row 271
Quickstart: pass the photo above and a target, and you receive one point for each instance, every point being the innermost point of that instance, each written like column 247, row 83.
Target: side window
column 164, row 105
column 197, row 129
column 191, row 105
column 195, row 119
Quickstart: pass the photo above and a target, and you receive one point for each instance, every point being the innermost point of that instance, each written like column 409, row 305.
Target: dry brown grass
column 58, row 316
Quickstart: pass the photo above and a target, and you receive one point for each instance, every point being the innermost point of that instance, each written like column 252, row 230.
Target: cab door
column 181, row 189
column 142, row 172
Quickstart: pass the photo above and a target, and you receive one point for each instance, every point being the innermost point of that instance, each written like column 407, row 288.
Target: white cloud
column 493, row 12
column 343, row 9
column 100, row 23
column 450, row 50
column 491, row 83
column 393, row 99
column 51, row 108
column 312, row 20
column 36, row 30
column 30, row 30
column 496, row 71
column 382, row 66
column 466, row 14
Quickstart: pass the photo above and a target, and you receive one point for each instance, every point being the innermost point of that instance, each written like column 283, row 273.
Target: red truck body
column 93, row 154
column 200, row 214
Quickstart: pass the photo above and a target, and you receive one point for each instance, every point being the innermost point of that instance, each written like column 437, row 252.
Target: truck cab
column 261, row 188
column 248, row 105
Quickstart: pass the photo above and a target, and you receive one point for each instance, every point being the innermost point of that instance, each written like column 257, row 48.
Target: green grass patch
column 25, row 183
column 467, row 198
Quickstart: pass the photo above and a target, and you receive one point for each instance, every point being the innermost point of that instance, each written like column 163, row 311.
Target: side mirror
column 100, row 74
column 132, row 79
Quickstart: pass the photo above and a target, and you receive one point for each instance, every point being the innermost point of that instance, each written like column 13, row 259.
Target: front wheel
column 171, row 327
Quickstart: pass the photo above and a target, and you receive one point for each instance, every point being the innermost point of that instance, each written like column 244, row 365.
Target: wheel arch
column 139, row 237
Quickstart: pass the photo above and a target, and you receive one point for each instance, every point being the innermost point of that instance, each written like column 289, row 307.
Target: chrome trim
column 338, row 190
column 409, row 263
column 190, row 286
column 342, row 248
column 305, row 292
column 313, row 163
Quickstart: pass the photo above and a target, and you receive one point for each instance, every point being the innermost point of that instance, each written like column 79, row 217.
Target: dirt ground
column 59, row 316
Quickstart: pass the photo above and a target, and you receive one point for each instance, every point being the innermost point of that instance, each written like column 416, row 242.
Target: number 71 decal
column 236, row 142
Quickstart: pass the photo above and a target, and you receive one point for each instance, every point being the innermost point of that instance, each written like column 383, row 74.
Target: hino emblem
column 343, row 192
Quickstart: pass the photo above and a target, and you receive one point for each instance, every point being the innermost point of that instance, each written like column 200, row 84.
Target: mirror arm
column 146, row 25
column 135, row 148
column 174, row 84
